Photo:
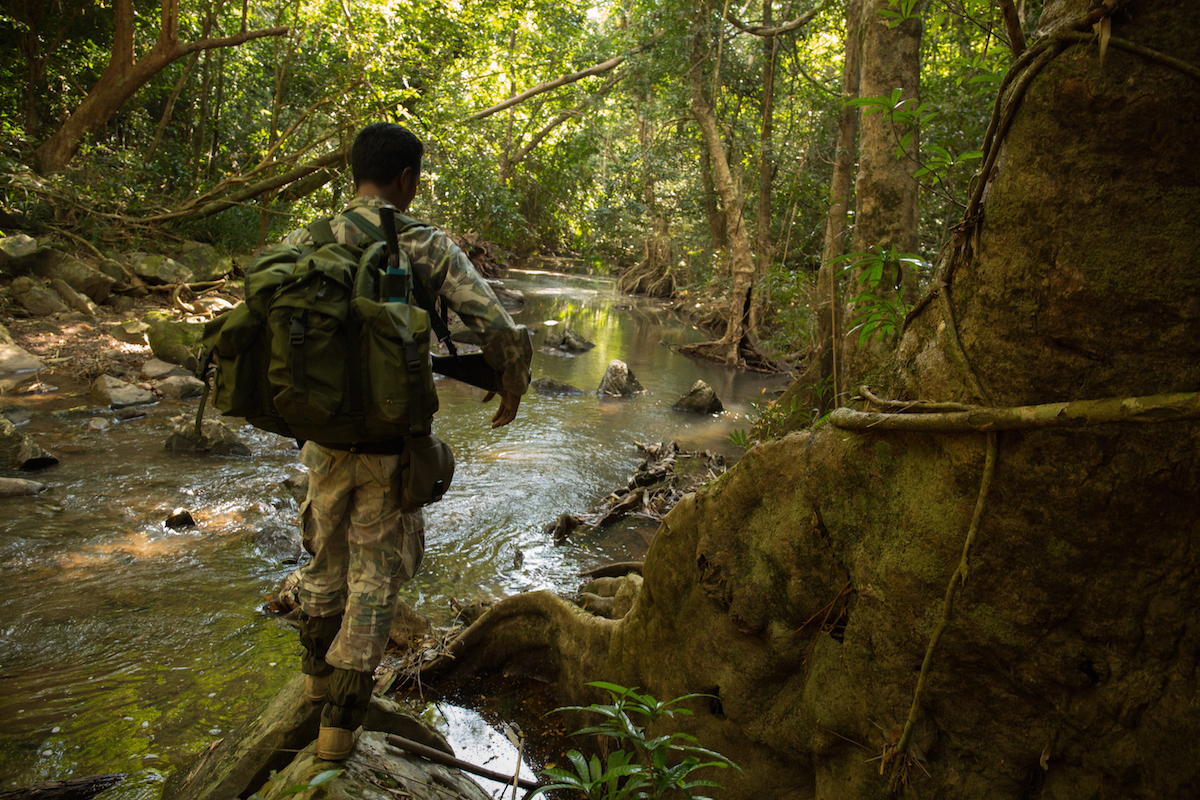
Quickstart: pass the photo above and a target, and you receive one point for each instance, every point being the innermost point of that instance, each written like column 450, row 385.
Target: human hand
column 507, row 412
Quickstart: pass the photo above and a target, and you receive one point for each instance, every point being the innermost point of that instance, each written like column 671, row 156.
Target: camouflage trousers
column 363, row 549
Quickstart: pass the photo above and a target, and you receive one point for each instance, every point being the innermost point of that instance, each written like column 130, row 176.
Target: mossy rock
column 173, row 341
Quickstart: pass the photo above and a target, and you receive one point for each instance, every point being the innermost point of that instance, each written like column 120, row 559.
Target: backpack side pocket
column 397, row 372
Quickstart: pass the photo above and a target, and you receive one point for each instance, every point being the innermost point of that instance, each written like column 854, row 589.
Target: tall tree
column 43, row 27
column 886, row 191
column 737, row 346
column 653, row 275
column 734, row 346
column 820, row 386
column 763, row 248
column 125, row 74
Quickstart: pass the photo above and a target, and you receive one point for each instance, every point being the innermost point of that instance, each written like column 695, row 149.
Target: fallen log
column 81, row 788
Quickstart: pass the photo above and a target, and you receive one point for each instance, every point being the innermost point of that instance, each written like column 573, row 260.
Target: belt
column 386, row 447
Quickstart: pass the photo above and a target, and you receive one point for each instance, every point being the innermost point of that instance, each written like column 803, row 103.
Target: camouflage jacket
column 444, row 269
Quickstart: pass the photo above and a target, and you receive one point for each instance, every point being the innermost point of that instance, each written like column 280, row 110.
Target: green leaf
column 318, row 780
column 939, row 151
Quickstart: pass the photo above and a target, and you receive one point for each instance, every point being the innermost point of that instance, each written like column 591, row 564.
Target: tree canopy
column 694, row 140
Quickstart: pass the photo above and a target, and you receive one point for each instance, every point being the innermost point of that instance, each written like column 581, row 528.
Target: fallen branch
column 254, row 190
column 202, row 286
column 764, row 32
column 438, row 757
column 596, row 69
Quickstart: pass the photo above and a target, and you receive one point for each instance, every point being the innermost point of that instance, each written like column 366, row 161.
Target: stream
column 127, row 646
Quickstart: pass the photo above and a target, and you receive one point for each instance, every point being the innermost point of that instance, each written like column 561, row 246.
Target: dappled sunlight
column 107, row 577
column 135, row 544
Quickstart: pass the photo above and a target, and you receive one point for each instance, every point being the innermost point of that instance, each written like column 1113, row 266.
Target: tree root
column 538, row 634
column 745, row 355
column 652, row 276
column 1177, row 407
column 617, row 570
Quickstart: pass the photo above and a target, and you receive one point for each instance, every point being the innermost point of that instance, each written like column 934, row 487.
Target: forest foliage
column 588, row 172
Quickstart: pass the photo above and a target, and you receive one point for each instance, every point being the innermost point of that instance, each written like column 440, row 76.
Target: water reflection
column 125, row 645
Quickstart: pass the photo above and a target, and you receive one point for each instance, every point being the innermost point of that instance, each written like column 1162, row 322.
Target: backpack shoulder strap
column 364, row 225
column 437, row 320
column 420, row 293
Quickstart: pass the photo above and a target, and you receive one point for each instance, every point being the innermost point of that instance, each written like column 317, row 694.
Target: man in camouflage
column 363, row 546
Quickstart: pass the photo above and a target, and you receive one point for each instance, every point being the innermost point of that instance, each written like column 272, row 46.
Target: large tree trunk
column 653, row 275
column 713, row 214
column 1009, row 614
column 886, row 194
column 730, row 348
column 819, row 386
column 123, row 77
column 763, row 247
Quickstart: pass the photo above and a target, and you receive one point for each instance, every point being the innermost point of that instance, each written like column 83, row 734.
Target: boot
column 317, row 635
column 316, row 688
column 349, row 694
column 334, row 744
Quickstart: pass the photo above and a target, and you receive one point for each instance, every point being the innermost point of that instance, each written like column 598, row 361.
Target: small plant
column 741, row 438
column 319, row 779
column 652, row 767
column 879, row 309
column 769, row 420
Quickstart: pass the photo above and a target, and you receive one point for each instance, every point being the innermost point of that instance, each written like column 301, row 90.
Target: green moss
column 908, row 554
column 1057, row 548
column 992, row 624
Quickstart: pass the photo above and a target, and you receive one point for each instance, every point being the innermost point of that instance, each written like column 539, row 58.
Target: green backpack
column 328, row 345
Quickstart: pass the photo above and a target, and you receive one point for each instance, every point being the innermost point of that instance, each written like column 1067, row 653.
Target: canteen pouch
column 426, row 469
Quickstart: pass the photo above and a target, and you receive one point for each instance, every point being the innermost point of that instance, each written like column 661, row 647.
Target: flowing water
column 126, row 646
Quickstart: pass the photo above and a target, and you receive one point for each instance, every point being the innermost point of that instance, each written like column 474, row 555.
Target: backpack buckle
column 296, row 332
column 413, row 358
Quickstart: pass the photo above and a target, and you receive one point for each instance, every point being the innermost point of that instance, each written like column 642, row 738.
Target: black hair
column 382, row 150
